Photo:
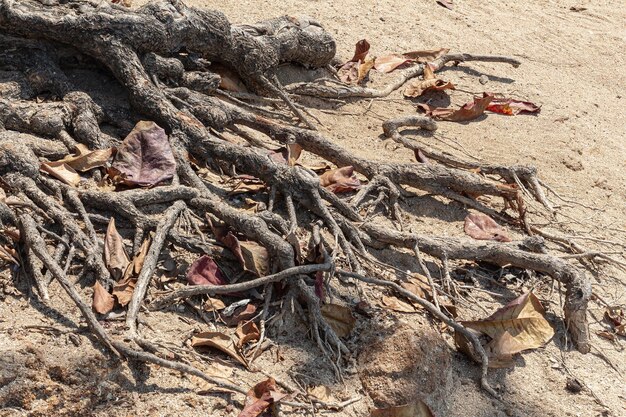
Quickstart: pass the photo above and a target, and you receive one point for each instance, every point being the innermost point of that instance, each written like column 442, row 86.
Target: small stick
column 150, row 262
column 426, row 272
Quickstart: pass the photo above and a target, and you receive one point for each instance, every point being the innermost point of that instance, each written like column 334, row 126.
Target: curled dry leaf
column 340, row 318
column 388, row 63
column 241, row 314
column 61, row 171
column 123, row 290
column 518, row 326
column 482, row 227
column 358, row 67
column 417, row 87
column 427, row 55
column 511, row 107
column 468, row 111
column 103, row 302
column 417, row 408
column 252, row 256
column 204, row 271
column 214, row 304
column 84, row 159
column 261, row 397
column 361, row 49
column 247, row 332
column 288, row 154
column 115, row 257
column 220, row 342
column 145, row 157
column 340, row 180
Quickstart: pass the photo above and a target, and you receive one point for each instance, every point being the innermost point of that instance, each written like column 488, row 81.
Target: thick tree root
column 159, row 54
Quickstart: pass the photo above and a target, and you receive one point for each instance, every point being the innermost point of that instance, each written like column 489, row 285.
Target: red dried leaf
column 340, row 180
column 388, row 63
column 240, row 314
column 145, row 157
column 252, row 256
column 511, row 107
column 103, row 302
column 361, row 49
column 261, row 397
column 468, row 111
column 482, row 227
column 204, row 271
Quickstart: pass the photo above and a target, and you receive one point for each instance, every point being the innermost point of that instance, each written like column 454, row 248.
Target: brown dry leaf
column 482, row 227
column 137, row 263
column 260, row 398
column 145, row 157
column 8, row 254
column 61, row 171
column 417, row 408
column 214, row 304
column 321, row 392
column 511, row 107
column 218, row 341
column 115, row 257
column 417, row 87
column 84, row 160
column 468, row 111
column 340, row 318
column 252, row 256
column 340, row 180
column 247, row 333
column 103, row 302
column 607, row 335
column 204, row 271
column 229, row 80
column 256, row 259
column 388, row 63
column 351, row 71
column 427, row 55
column 364, row 70
column 123, row 290
column 241, row 314
column 518, row 326
column 396, row 304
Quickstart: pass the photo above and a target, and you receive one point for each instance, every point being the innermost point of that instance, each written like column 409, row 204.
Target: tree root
column 161, row 55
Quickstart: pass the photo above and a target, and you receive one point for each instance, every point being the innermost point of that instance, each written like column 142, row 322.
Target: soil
column 572, row 66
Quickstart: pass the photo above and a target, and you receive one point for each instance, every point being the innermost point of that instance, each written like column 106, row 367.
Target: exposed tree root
column 159, row 55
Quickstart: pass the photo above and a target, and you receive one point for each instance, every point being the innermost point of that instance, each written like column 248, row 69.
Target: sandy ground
column 573, row 65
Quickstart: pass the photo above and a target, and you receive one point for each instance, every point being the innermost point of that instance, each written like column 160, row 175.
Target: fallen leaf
column 420, row 157
column 340, row 180
column 349, row 72
column 466, row 112
column 241, row 314
column 417, row 408
column 361, row 49
column 388, row 63
column 214, row 304
column 61, row 171
column 218, row 341
column 339, row 318
column 252, row 256
column 145, row 157
column 511, row 107
column 482, row 227
column 103, row 302
column 607, row 335
column 115, row 257
column 396, row 304
column 288, row 154
column 247, row 333
column 520, row 325
column 445, row 3
column 427, row 55
column 321, row 392
column 260, row 398
column 417, row 87
column 229, row 80
column 84, row 159
column 137, row 263
column 364, row 69
column 123, row 290
column 204, row 271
